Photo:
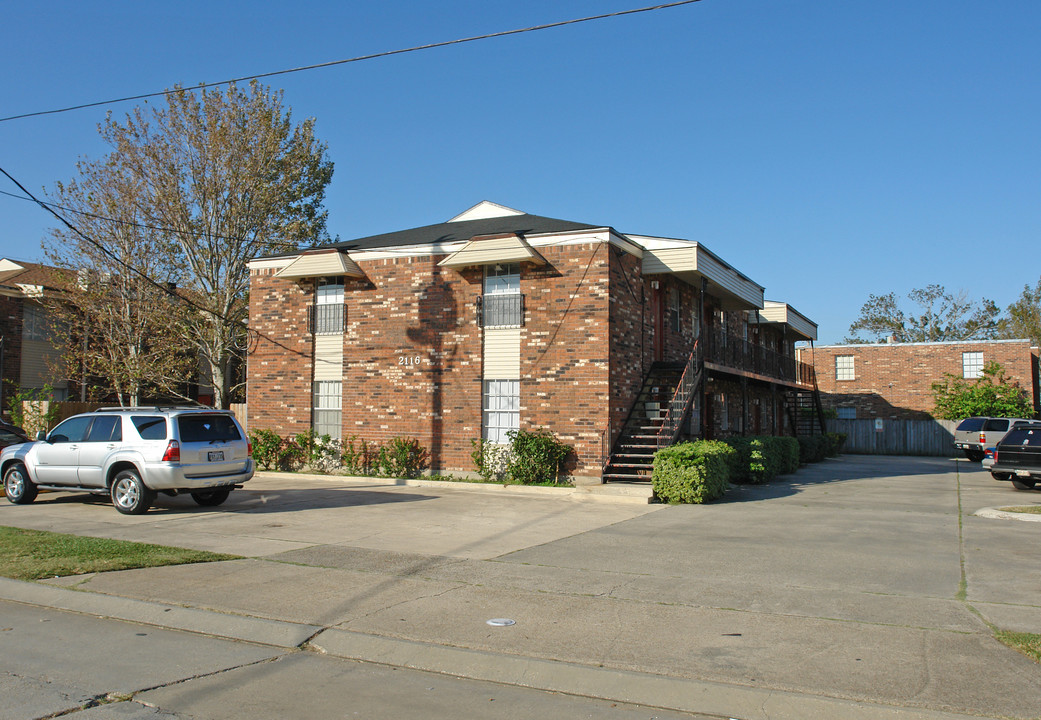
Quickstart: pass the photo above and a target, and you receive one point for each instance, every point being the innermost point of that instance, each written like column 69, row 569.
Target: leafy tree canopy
column 991, row 395
column 192, row 190
column 1023, row 317
column 938, row 316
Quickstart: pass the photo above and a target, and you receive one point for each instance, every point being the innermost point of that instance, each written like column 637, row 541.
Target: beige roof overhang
column 490, row 249
column 784, row 314
column 321, row 263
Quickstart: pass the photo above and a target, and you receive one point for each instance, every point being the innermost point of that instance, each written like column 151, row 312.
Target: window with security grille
column 844, row 367
column 972, row 365
column 328, row 412
column 501, row 410
column 328, row 306
column 503, row 304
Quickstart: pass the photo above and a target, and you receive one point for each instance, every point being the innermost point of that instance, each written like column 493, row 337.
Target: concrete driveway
column 858, row 587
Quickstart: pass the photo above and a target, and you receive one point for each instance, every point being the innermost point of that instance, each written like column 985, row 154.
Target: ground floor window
column 501, row 409
column 328, row 413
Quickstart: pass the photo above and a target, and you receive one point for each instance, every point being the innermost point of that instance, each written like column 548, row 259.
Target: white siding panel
column 328, row 357
column 502, row 353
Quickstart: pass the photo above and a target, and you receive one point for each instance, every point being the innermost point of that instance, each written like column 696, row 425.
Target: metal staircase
column 655, row 419
column 805, row 411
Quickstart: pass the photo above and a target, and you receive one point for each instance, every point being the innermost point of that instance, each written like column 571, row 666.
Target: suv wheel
column 211, row 498
column 18, row 488
column 130, row 496
column 1022, row 484
column 975, row 455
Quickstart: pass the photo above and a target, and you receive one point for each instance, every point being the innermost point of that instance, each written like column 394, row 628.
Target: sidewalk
column 832, row 593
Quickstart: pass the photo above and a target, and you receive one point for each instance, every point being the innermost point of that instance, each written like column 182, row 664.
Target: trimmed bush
column 836, row 441
column 812, row 448
column 693, row 472
column 788, row 454
column 759, row 459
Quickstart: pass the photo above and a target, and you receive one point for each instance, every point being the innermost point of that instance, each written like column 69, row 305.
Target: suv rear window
column 207, row 428
column 1023, row 436
column 996, row 424
column 150, row 427
column 971, row 424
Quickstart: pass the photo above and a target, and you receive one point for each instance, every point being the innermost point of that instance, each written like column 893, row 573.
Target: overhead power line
column 359, row 58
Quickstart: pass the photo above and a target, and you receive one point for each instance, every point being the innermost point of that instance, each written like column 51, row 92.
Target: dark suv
column 132, row 454
column 1018, row 456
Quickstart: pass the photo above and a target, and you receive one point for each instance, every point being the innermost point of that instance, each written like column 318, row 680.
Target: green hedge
column 758, row 459
column 692, row 472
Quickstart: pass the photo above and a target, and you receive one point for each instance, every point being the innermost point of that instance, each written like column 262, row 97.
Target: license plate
column 1022, row 473
column 215, row 455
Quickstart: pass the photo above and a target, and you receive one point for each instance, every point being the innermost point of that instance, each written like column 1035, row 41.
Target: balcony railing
column 500, row 310
column 737, row 353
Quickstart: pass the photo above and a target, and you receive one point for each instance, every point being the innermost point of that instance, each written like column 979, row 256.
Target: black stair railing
column 677, row 408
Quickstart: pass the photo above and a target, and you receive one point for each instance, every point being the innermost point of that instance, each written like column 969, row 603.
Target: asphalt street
column 860, row 587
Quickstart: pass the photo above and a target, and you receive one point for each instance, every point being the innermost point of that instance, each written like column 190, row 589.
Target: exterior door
column 658, row 318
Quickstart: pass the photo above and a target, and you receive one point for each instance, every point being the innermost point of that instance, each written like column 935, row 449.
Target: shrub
column 402, row 457
column 788, row 450
column 536, row 456
column 753, row 461
column 836, row 441
column 693, row 472
column 492, row 461
column 273, row 452
column 812, row 448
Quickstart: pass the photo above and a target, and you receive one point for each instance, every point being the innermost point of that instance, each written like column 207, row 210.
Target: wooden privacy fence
column 897, row 437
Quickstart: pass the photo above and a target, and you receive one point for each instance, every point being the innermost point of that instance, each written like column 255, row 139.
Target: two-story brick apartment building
column 498, row 320
column 894, row 380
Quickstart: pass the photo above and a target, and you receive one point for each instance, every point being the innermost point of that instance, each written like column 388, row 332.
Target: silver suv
column 132, row 454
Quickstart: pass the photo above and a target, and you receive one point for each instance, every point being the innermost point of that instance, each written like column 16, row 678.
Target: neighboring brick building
column 27, row 348
column 894, row 380
column 499, row 320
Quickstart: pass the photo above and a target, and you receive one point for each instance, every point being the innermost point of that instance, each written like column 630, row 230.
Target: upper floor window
column 674, row 309
column 328, row 308
column 502, row 279
column 502, row 304
column 35, row 322
column 972, row 365
column 844, row 367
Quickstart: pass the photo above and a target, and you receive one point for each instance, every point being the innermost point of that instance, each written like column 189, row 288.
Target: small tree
column 989, row 395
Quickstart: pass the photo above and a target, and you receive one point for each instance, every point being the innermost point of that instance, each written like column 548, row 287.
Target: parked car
column 975, row 434
column 11, row 435
column 1018, row 456
column 132, row 454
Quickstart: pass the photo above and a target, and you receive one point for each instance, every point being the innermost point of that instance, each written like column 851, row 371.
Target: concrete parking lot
column 858, row 587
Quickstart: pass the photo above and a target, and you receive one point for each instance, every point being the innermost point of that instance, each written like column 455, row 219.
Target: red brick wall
column 279, row 365
column 895, row 381
column 409, row 308
column 565, row 348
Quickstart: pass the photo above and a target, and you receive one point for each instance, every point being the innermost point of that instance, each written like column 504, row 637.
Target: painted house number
column 410, row 360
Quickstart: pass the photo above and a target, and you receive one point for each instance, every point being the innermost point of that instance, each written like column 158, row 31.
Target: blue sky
column 828, row 149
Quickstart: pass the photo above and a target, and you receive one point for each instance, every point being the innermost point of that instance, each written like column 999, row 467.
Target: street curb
column 172, row 617
column 641, row 495
column 996, row 514
column 680, row 694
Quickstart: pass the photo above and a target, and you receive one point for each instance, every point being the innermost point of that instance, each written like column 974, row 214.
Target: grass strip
column 1033, row 509
column 36, row 554
column 1027, row 643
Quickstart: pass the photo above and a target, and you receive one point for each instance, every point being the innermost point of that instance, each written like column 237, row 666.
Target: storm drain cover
column 501, row 622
